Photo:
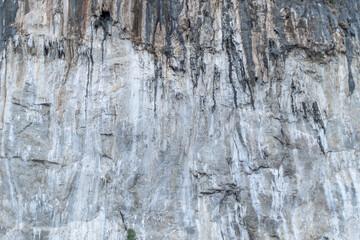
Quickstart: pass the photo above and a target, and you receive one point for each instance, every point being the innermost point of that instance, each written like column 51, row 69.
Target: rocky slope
column 181, row 119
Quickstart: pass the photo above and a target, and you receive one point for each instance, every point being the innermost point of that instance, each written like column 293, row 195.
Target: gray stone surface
column 232, row 119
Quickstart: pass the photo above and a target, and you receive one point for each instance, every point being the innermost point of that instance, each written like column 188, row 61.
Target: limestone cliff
column 180, row 119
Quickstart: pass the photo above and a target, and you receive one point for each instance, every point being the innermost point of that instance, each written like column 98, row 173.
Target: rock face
column 182, row 119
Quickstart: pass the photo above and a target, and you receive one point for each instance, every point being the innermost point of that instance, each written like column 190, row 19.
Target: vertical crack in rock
column 157, row 78
column 90, row 65
column 118, row 10
column 350, row 56
column 247, row 22
column 8, row 11
column 235, row 62
column 317, row 116
column 78, row 10
column 215, row 83
column 137, row 22
column 104, row 21
column 230, row 61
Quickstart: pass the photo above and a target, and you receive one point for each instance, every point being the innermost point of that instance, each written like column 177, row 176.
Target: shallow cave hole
column 103, row 20
column 105, row 15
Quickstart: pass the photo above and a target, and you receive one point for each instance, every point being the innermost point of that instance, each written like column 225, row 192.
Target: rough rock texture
column 181, row 119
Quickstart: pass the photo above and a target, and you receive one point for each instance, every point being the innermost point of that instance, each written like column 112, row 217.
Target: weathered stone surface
column 230, row 119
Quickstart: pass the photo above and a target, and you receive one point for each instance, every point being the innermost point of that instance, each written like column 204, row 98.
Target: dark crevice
column 216, row 80
column 200, row 174
column 236, row 63
column 104, row 21
column 321, row 146
column 8, row 10
column 259, row 168
column 107, row 134
column 123, row 220
column 231, row 77
column 44, row 161
column 317, row 116
column 90, row 71
column 304, row 109
column 227, row 189
column 246, row 9
column 24, row 128
column 158, row 77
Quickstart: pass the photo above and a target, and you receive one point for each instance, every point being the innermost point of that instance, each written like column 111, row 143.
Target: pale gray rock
column 179, row 119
